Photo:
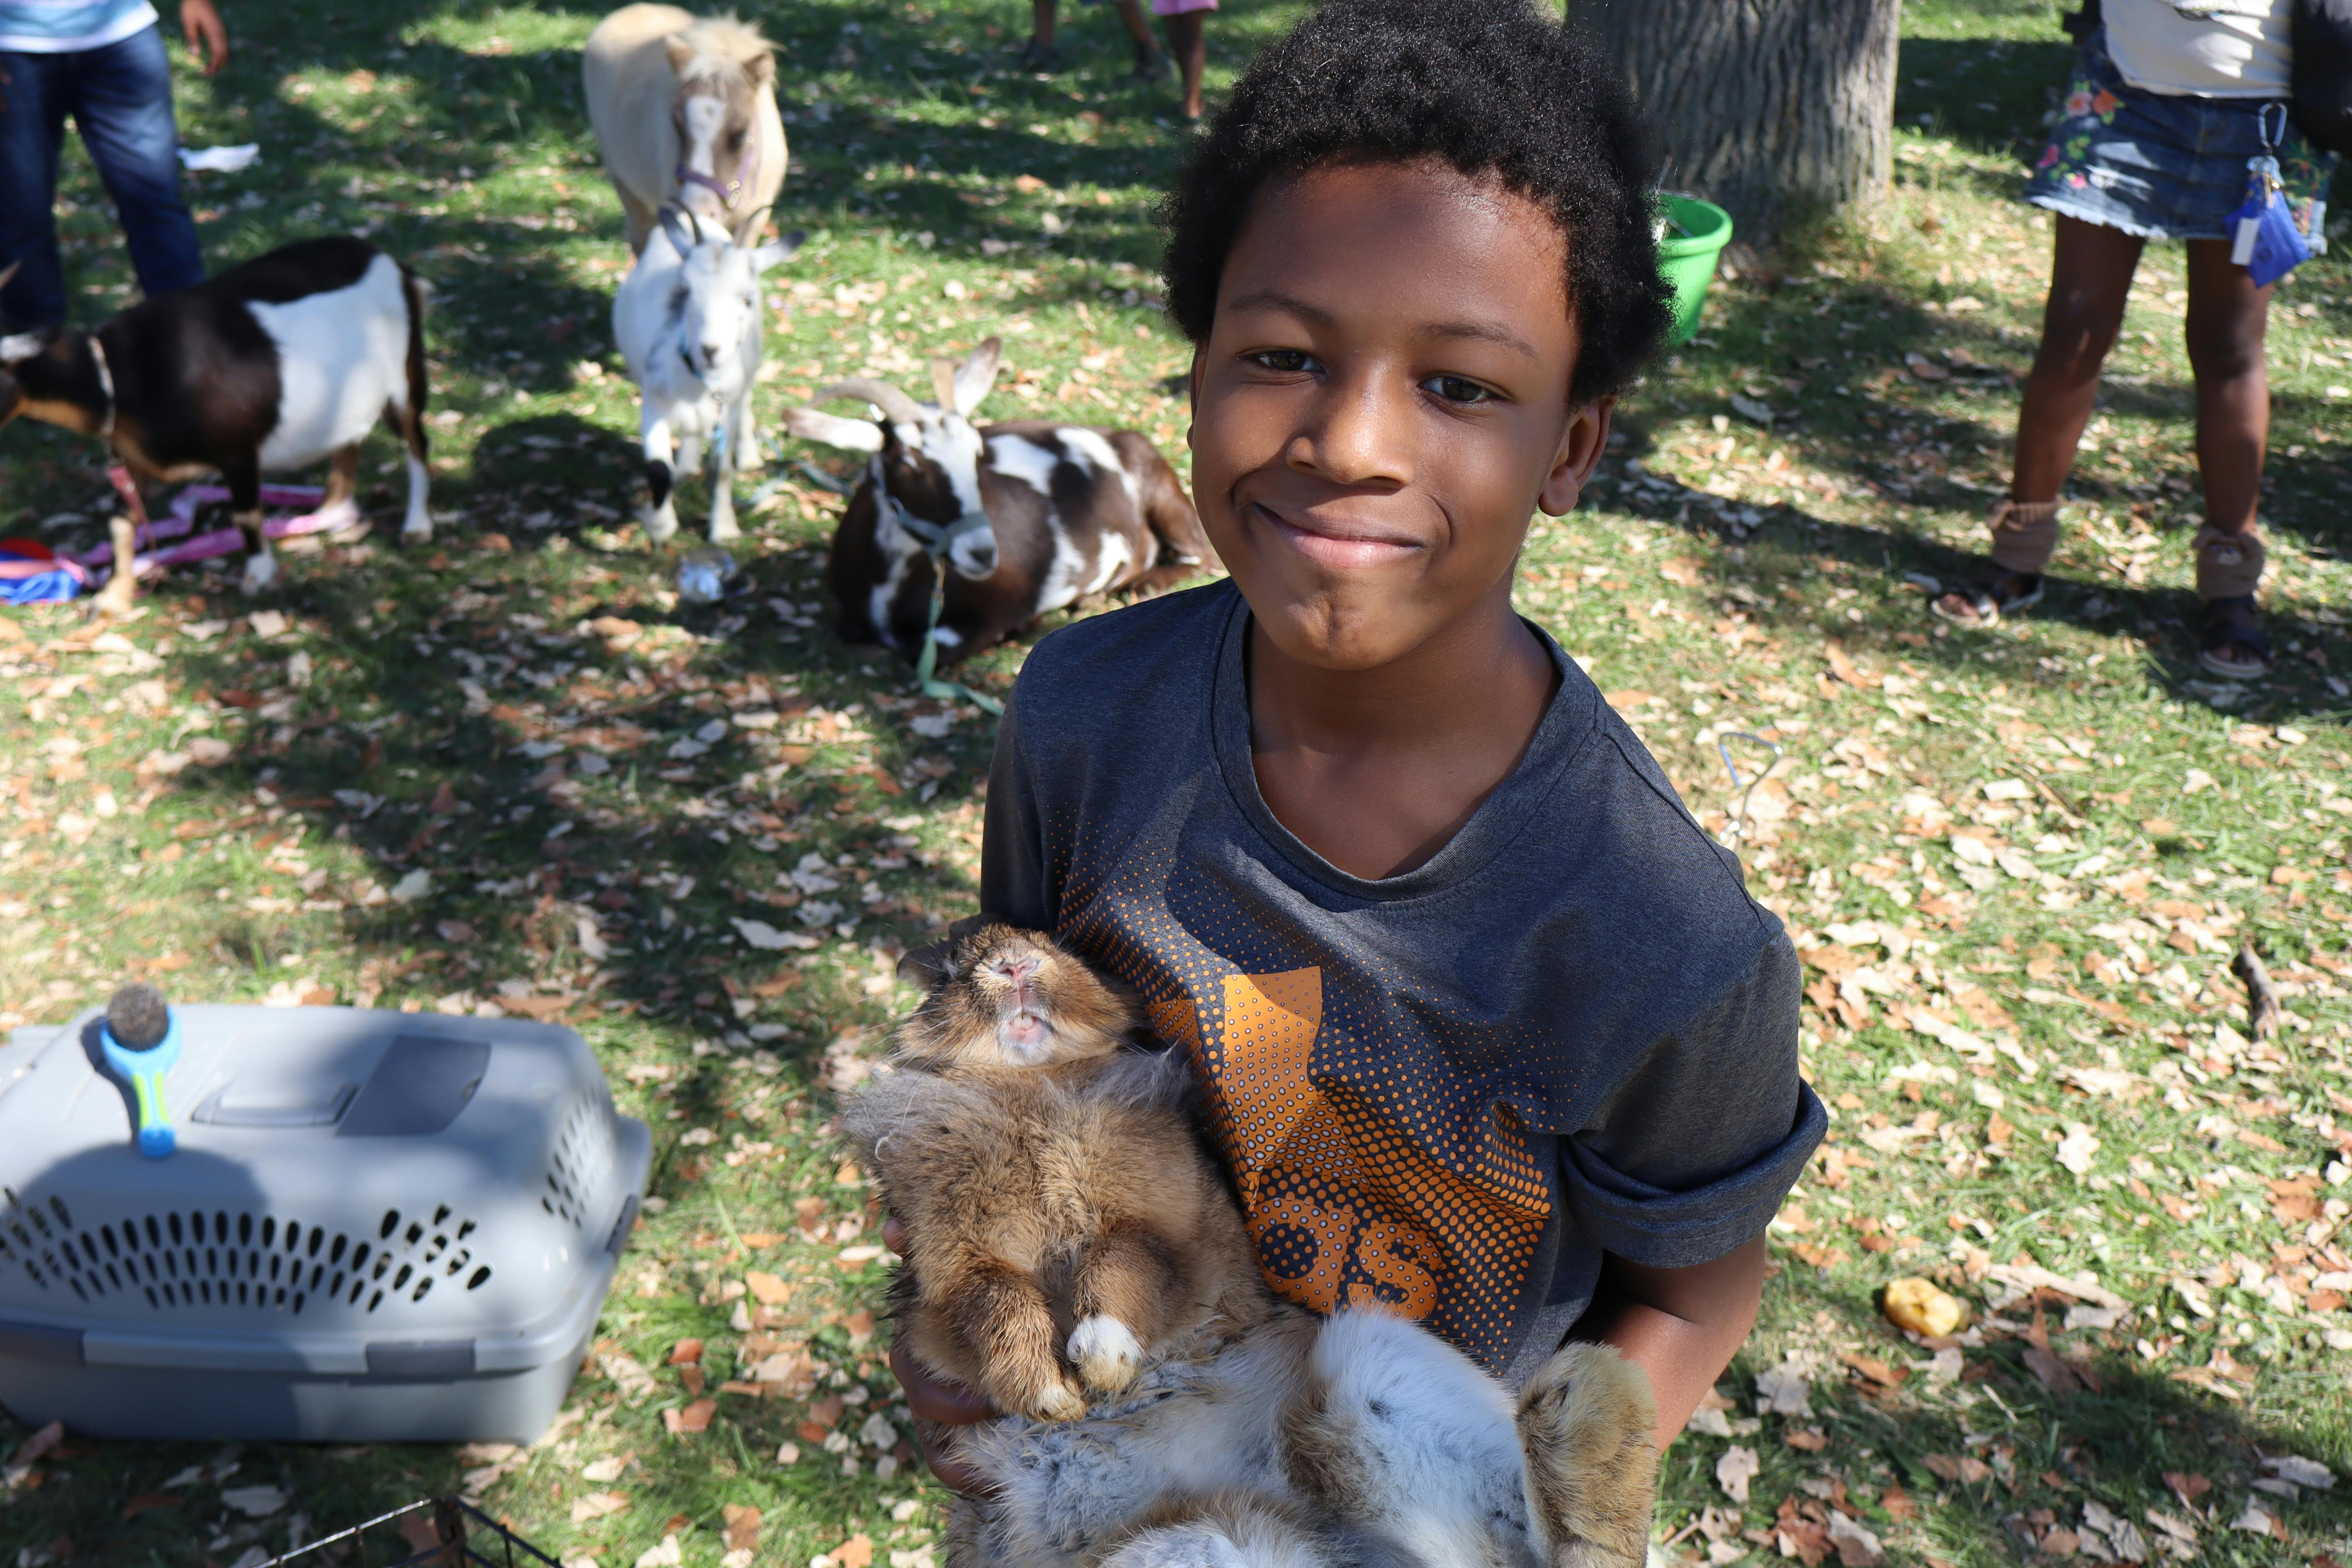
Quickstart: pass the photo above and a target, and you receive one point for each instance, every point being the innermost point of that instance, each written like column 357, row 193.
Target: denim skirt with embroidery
column 2168, row 166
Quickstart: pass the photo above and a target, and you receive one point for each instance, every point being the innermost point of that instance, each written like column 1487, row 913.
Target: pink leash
column 220, row 541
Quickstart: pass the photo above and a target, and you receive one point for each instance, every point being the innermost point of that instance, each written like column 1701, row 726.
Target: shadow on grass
column 2039, row 1456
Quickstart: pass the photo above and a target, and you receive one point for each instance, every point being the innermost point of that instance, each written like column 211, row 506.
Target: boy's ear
column 1580, row 447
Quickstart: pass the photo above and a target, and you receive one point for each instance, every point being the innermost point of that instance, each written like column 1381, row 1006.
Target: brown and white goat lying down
column 1033, row 515
column 285, row 361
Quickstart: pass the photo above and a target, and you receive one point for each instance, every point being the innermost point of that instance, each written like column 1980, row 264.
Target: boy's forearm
column 1682, row 1326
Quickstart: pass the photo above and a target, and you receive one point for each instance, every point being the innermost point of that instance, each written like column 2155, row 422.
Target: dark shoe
column 1037, row 57
column 2232, row 642
column 1983, row 604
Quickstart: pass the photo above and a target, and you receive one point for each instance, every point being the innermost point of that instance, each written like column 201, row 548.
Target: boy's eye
column 1286, row 361
column 1455, row 389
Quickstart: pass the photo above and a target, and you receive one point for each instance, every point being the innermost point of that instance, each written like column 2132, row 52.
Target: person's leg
column 122, row 106
column 1130, row 17
column 1188, row 40
column 2228, row 319
column 32, row 128
column 1044, row 16
column 2090, row 279
column 1149, row 63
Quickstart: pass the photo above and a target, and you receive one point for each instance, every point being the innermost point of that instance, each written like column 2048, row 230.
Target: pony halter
column 729, row 191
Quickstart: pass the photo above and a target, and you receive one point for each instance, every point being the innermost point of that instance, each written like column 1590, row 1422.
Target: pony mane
column 720, row 42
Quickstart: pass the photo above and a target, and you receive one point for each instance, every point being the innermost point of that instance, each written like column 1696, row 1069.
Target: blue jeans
column 120, row 99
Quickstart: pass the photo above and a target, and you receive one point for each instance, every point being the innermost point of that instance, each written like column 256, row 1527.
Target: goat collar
column 937, row 538
column 105, row 386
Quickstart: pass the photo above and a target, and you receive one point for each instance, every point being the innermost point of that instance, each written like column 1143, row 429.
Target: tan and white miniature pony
column 684, row 108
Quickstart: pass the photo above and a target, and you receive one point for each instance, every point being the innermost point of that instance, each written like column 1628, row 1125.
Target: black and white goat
column 1030, row 516
column 687, row 319
column 285, row 361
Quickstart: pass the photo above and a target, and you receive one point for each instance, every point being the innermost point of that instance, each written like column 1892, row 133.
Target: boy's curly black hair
column 1493, row 87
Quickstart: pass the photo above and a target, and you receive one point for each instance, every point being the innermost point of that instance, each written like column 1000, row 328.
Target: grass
column 2018, row 861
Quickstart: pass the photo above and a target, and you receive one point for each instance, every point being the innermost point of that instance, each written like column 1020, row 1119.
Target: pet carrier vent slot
column 582, row 1152
column 197, row 1258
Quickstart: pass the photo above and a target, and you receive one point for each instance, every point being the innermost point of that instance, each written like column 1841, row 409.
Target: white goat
column 688, row 322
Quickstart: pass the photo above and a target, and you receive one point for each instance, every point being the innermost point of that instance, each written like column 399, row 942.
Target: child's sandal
column 1983, row 604
column 2232, row 642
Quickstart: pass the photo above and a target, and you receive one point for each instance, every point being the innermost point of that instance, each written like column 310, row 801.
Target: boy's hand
column 933, row 1402
column 207, row 36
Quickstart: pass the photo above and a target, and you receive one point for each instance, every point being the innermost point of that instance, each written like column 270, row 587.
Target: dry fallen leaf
column 857, row 1551
column 767, row 1288
column 1877, row 1371
column 742, row 1527
column 1734, row 1469
column 695, row 1417
column 596, row 1505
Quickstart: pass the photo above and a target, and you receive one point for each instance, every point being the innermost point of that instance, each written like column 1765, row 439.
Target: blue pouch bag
column 2263, row 238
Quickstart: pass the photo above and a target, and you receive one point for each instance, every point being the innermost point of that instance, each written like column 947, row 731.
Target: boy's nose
column 1353, row 437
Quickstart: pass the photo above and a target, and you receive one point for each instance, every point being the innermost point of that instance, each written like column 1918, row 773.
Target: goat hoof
column 114, row 599
column 260, row 575
column 418, row 533
column 722, row 533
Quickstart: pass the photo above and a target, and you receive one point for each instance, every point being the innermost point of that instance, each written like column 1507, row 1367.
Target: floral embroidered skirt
column 2165, row 166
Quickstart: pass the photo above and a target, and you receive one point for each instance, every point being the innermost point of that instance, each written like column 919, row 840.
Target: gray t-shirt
column 1447, row 1092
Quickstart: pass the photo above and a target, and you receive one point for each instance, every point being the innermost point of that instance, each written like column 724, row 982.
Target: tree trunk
column 1777, row 111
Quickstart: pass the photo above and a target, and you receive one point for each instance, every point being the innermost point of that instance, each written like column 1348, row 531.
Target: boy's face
column 1383, row 402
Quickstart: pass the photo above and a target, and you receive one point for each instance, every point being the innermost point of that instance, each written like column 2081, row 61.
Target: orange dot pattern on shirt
column 1370, row 1173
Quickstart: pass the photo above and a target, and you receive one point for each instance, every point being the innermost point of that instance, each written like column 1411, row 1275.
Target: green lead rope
column 936, row 540
column 929, row 659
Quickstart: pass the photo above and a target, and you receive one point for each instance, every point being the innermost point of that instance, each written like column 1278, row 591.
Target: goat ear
column 778, row 251
column 681, row 53
column 977, row 374
column 5, row 276
column 761, row 68
column 833, row 430
column 677, row 231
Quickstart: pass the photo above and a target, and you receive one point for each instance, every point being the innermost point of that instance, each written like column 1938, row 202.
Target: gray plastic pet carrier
column 375, row 1226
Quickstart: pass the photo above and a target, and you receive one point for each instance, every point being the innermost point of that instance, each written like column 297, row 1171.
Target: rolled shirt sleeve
column 1696, row 1151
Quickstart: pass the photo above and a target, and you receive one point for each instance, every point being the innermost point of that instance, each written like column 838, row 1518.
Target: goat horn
column 901, row 409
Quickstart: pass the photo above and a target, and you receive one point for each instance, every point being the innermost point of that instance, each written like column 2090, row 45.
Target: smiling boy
column 1490, row 1033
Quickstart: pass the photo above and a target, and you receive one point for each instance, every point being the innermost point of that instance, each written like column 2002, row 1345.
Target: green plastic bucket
column 1694, row 233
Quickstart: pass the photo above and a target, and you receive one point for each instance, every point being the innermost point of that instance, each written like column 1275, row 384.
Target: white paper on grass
column 221, row 160
column 761, row 934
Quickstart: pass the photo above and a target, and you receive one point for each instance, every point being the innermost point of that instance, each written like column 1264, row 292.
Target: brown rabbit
column 1058, row 1206
column 1063, row 1222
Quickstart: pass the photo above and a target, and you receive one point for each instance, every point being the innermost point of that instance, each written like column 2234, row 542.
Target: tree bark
column 1777, row 111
